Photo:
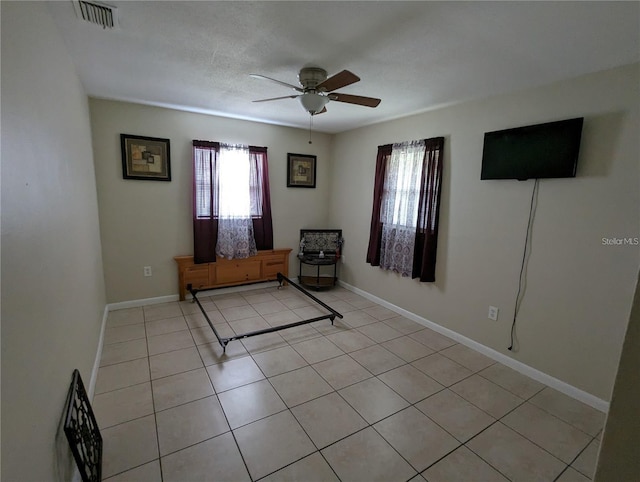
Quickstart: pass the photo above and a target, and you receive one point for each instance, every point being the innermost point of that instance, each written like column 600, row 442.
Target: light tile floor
column 374, row 396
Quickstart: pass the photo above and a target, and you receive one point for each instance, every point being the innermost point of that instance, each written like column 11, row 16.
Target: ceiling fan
column 317, row 90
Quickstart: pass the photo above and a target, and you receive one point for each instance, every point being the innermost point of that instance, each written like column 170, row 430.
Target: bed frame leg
column 193, row 298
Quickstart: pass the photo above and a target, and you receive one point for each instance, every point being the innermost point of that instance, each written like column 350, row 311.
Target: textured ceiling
column 413, row 55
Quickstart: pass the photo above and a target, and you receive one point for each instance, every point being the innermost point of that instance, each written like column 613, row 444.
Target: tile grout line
column 191, row 401
column 153, row 402
column 499, row 420
column 289, row 409
column 578, row 456
column 334, row 390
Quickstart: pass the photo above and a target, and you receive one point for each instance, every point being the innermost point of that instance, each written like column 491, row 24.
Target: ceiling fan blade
column 291, row 86
column 355, row 99
column 341, row 79
column 278, row 98
column 324, row 109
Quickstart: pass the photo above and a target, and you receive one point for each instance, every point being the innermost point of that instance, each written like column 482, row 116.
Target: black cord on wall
column 524, row 257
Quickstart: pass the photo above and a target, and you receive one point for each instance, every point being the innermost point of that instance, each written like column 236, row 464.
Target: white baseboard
column 105, row 315
column 520, row 367
column 542, row 377
column 169, row 298
column 96, row 363
column 121, row 305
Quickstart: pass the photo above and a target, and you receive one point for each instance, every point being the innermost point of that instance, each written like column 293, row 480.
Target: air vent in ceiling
column 96, row 13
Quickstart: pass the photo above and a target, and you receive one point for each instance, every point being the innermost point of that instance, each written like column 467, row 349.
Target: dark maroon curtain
column 205, row 199
column 424, row 255
column 261, row 198
column 375, row 233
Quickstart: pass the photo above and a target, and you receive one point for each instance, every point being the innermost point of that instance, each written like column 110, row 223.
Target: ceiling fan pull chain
column 310, row 124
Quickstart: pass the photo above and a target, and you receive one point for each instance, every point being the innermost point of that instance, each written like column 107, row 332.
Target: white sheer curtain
column 399, row 210
column 235, row 227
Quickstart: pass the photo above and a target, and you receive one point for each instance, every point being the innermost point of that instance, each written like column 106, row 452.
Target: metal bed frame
column 281, row 278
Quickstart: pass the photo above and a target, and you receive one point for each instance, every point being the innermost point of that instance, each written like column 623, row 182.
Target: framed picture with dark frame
column 301, row 170
column 145, row 158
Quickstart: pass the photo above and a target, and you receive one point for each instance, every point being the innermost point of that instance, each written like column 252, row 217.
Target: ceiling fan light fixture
column 313, row 103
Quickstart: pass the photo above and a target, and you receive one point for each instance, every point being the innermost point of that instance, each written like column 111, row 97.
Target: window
column 231, row 202
column 399, row 210
column 404, row 218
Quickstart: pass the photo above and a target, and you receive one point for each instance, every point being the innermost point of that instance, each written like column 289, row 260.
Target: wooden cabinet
column 238, row 271
column 197, row 276
column 263, row 267
column 274, row 264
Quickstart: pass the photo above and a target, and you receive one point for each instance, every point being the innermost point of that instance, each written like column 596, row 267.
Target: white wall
column 147, row 223
column 53, row 294
column 618, row 458
column 578, row 293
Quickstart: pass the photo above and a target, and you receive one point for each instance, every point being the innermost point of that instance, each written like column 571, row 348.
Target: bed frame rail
column 281, row 279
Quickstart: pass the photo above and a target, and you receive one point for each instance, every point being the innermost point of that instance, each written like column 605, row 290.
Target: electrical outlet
column 147, row 270
column 493, row 313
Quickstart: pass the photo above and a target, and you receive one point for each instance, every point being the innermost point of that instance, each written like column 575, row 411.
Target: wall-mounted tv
column 536, row 151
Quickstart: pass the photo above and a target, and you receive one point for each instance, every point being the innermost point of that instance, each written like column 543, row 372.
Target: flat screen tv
column 536, row 151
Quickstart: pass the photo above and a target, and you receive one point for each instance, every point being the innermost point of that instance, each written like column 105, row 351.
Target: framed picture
column 301, row 170
column 145, row 158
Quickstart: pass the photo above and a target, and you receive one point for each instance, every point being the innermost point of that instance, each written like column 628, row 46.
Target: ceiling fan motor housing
column 311, row 77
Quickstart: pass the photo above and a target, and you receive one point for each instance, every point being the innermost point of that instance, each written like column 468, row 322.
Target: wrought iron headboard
column 313, row 241
column 82, row 431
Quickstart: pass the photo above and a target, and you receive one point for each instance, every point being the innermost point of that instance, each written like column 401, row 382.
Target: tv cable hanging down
column 532, row 210
column 547, row 150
